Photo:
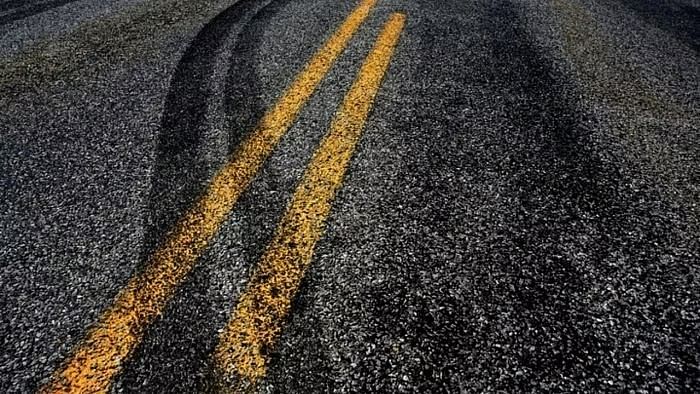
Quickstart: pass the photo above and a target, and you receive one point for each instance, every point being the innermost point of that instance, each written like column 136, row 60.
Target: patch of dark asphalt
column 563, row 195
column 15, row 4
column 22, row 9
column 680, row 20
column 117, row 40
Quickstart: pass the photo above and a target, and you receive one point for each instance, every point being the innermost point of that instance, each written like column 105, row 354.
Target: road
column 349, row 196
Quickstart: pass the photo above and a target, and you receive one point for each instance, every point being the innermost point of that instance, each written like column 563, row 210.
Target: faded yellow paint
column 257, row 319
column 93, row 365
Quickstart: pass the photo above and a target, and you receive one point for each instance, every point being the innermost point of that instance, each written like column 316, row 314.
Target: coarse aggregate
column 521, row 214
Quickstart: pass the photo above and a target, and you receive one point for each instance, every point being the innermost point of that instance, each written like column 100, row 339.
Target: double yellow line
column 257, row 318
column 265, row 303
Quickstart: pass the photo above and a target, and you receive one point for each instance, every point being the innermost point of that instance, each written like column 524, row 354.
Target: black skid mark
column 180, row 173
column 175, row 353
column 23, row 10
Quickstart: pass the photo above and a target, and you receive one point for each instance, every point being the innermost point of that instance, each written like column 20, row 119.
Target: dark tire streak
column 680, row 20
column 575, row 216
column 12, row 5
column 192, row 319
column 29, row 11
column 180, row 172
column 561, row 185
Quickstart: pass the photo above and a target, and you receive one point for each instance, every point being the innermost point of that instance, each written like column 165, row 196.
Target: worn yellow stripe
column 95, row 362
column 257, row 319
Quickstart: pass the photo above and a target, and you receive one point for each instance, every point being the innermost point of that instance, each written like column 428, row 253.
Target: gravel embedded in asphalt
column 521, row 213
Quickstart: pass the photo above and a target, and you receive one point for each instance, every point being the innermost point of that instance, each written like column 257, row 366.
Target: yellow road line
column 257, row 319
column 120, row 329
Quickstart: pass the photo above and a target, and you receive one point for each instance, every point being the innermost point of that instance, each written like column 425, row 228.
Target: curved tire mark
column 177, row 348
column 180, row 172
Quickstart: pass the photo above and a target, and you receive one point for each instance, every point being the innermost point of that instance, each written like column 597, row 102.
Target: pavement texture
column 521, row 212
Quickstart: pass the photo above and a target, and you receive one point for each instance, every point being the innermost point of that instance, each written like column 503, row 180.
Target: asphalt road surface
column 321, row 196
